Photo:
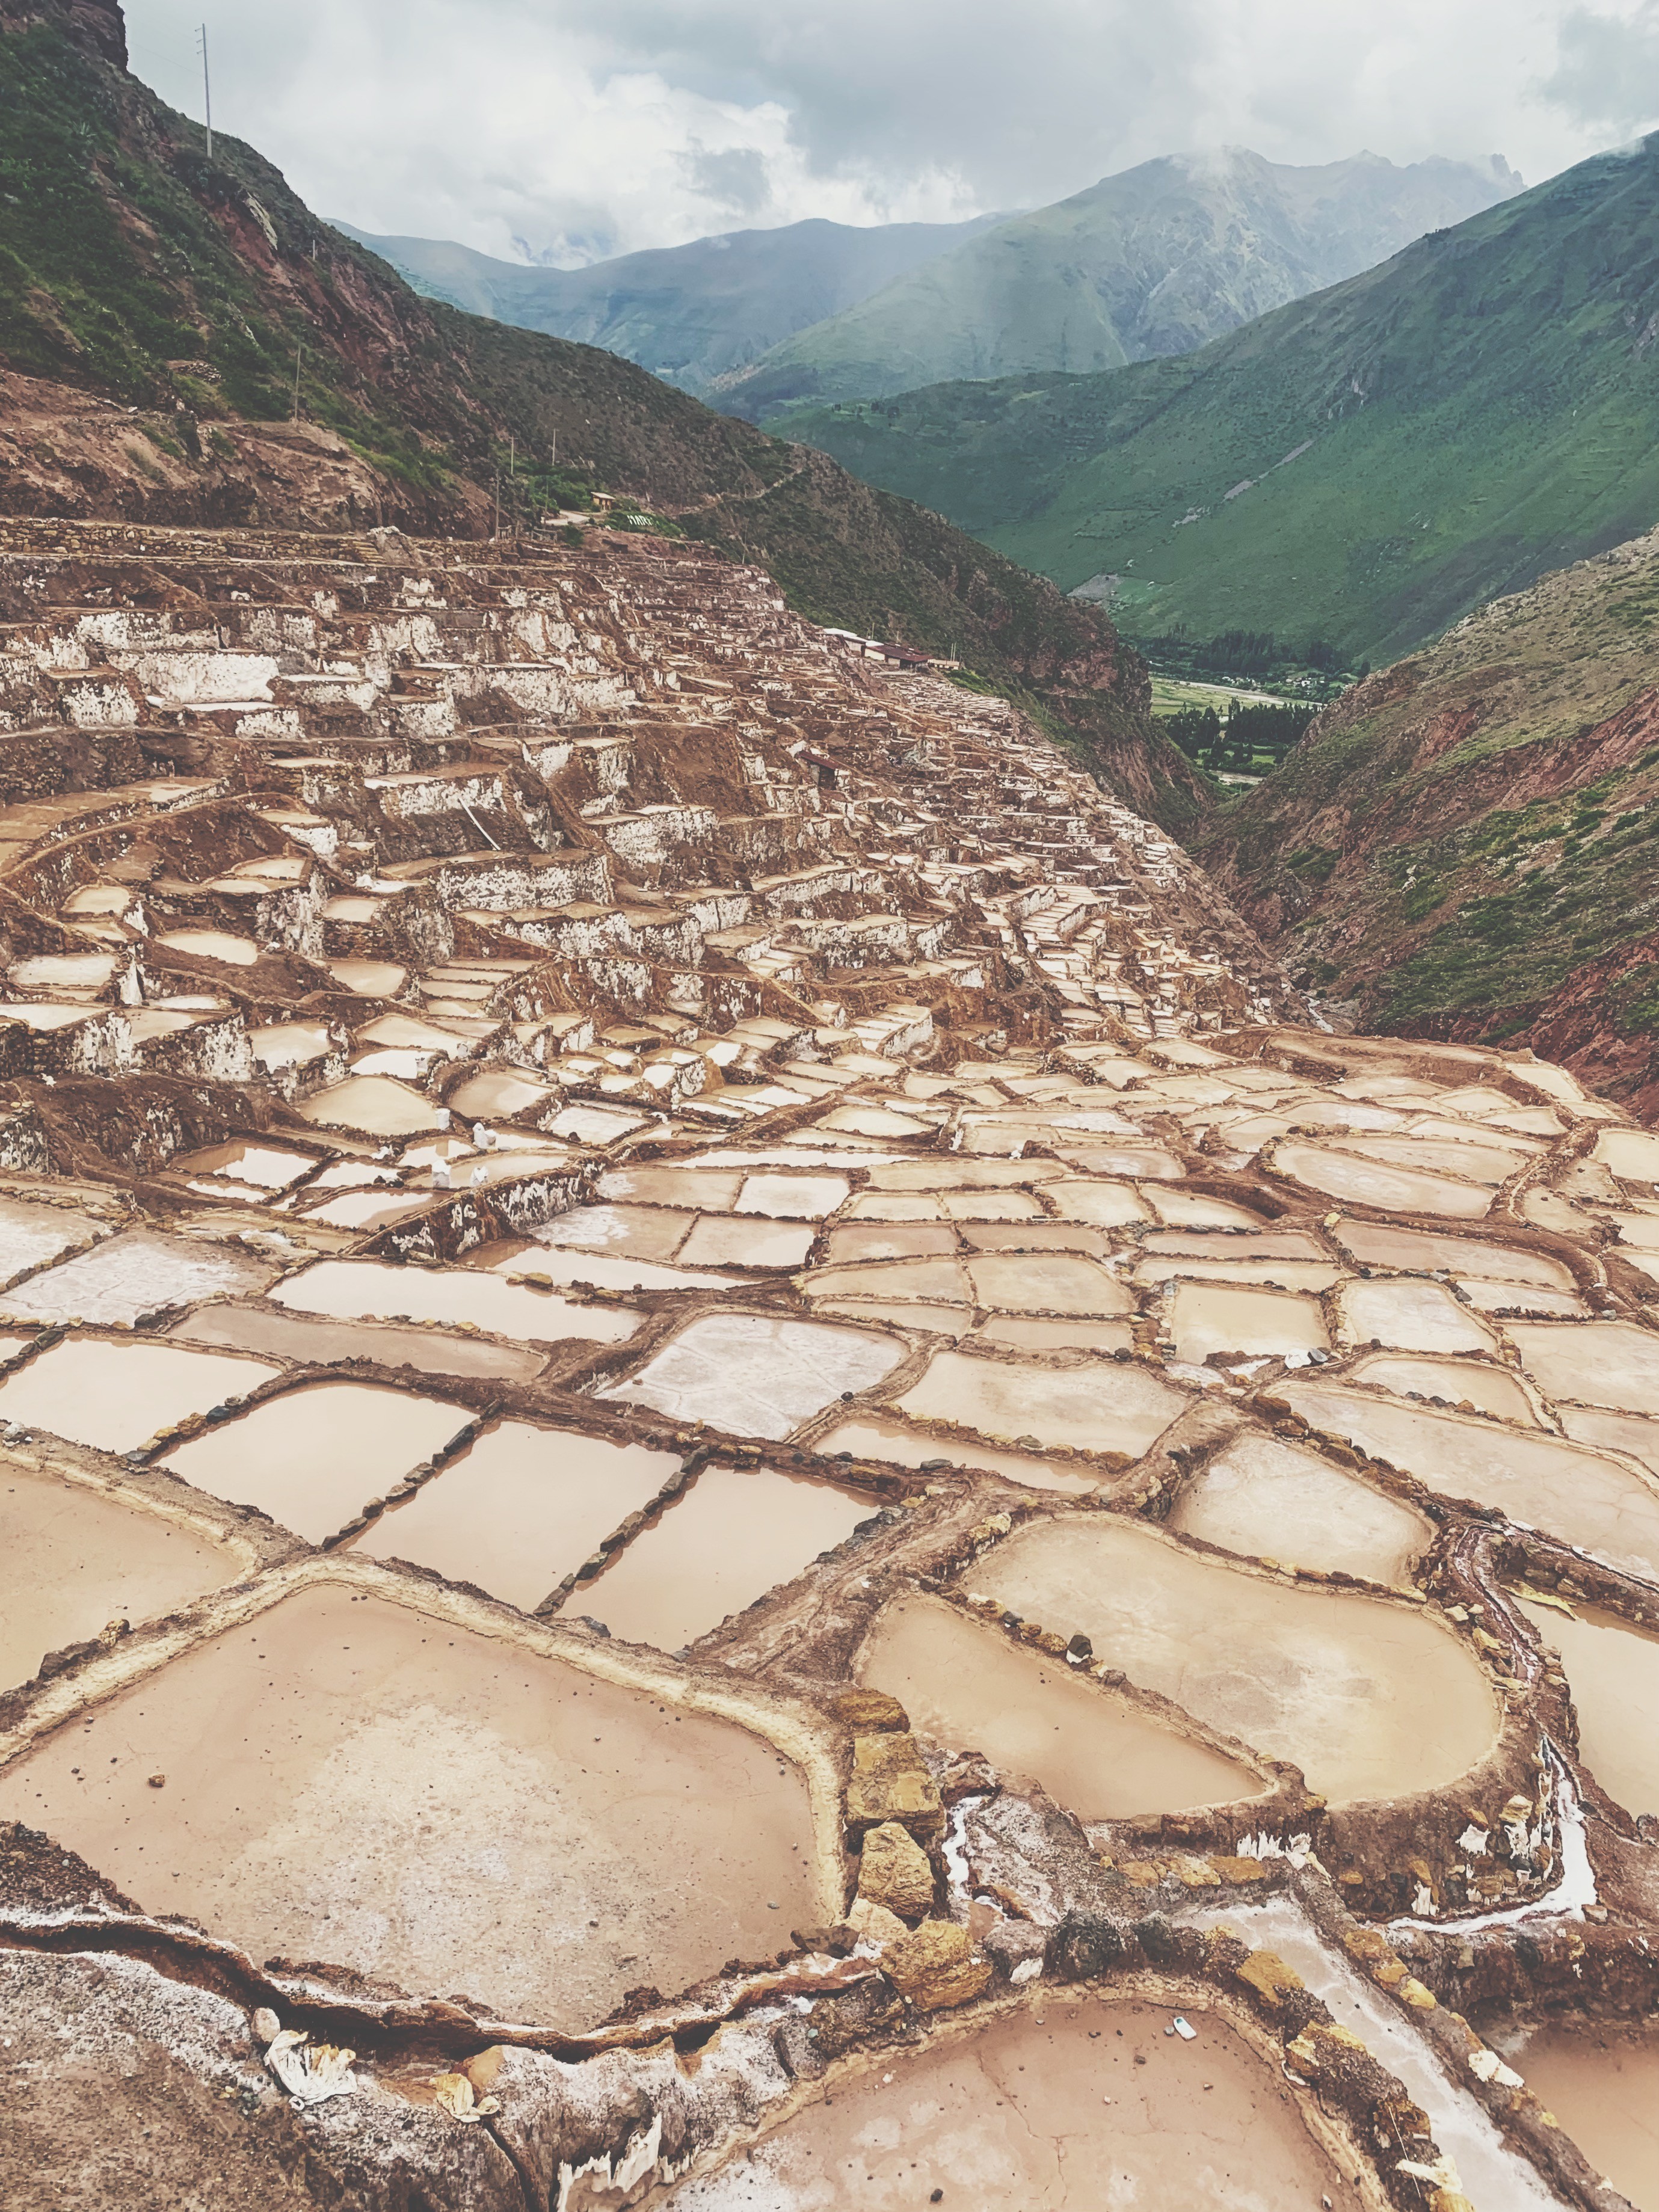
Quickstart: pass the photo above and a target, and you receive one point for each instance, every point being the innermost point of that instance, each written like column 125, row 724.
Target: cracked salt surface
column 754, row 1376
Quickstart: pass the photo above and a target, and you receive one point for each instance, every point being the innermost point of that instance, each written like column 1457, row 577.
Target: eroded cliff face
column 718, row 1427
column 1459, row 849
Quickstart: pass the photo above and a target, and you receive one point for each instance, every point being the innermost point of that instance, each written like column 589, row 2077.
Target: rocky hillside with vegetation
column 1363, row 467
column 182, row 341
column 1466, row 845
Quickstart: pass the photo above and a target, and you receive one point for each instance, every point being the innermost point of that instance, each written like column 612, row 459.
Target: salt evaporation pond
column 115, row 1396
column 313, row 1457
column 756, row 1375
column 733, row 1535
column 965, row 1686
column 1572, row 1493
column 1269, row 1500
column 1370, row 1699
column 1070, row 2104
column 367, row 1804
column 520, row 1509
column 1613, row 1671
column 1601, row 2082
column 350, row 1290
column 78, row 1558
column 1097, row 1405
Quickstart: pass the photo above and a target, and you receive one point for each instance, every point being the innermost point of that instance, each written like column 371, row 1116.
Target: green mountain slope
column 1156, row 261
column 197, row 293
column 1365, row 466
column 1466, row 844
column 692, row 313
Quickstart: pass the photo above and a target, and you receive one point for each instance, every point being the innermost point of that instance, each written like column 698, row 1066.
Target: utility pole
column 207, row 86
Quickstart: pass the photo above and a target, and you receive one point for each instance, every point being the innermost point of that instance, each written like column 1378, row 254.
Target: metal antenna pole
column 207, row 87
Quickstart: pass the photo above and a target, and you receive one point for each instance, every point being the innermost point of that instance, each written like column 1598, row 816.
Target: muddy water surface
column 116, row 1396
column 1601, row 2082
column 908, row 1447
column 314, row 1458
column 301, row 1338
column 967, row 1689
column 1612, row 1670
column 352, row 1289
column 520, row 1509
column 1369, row 1699
column 349, row 1780
column 732, row 1536
column 77, row 1559
column 1069, row 2106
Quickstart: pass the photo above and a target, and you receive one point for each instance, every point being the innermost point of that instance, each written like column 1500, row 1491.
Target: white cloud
column 583, row 128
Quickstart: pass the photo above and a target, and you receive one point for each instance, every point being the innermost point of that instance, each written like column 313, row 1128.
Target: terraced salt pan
column 1370, row 1699
column 604, row 1270
column 1563, row 1488
column 793, row 1197
column 908, row 1447
column 1633, row 1154
column 116, row 1396
column 266, row 1167
column 499, row 1090
column 1411, row 1316
column 857, row 1241
column 1049, row 1282
column 350, row 1290
column 733, row 1535
column 1601, row 1363
column 756, row 1375
column 1032, row 1332
column 1613, row 1671
column 33, row 1235
column 1488, row 1389
column 1634, row 1433
column 139, row 1272
column 1345, row 1176
column 701, row 1190
column 1601, row 2082
column 1266, row 1499
column 734, row 1241
column 520, row 1510
column 1379, row 1244
column 1106, row 1405
column 368, row 1805
column 376, row 1105
column 324, row 1343
column 966, row 1687
column 1211, row 1318
column 1072, row 2106
column 313, row 1458
column 78, row 1558
column 643, row 1232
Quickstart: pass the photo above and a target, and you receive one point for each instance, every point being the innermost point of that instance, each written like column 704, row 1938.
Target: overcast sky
column 571, row 129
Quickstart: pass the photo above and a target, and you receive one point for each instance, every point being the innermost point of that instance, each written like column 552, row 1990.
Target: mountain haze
column 691, row 315
column 1365, row 466
column 1157, row 260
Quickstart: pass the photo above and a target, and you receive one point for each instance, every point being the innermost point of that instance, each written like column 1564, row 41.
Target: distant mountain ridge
column 691, row 315
column 1157, row 260
column 1364, row 466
